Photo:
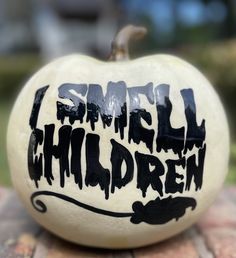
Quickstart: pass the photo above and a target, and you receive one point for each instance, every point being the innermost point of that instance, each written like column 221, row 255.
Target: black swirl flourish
column 41, row 207
column 158, row 211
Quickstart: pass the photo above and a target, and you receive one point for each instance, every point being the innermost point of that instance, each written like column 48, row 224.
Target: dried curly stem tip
column 120, row 45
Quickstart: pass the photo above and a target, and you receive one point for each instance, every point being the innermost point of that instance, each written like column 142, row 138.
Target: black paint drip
column 35, row 165
column 146, row 177
column 35, row 162
column 195, row 134
column 77, row 137
column 113, row 104
column 119, row 155
column 137, row 132
column 95, row 174
column 195, row 171
column 75, row 112
column 39, row 95
column 168, row 137
column 171, row 184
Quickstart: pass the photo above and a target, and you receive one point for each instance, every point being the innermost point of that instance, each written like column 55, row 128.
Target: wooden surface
column 214, row 236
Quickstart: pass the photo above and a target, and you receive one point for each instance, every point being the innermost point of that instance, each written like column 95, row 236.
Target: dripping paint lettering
column 120, row 108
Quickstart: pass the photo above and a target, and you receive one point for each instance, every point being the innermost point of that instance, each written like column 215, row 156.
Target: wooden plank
column 179, row 246
column 220, row 214
column 61, row 249
column 199, row 242
column 49, row 246
column 123, row 254
column 43, row 245
column 17, row 230
column 218, row 225
column 221, row 241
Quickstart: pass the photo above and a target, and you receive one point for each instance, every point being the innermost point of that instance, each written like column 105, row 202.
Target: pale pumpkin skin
column 82, row 226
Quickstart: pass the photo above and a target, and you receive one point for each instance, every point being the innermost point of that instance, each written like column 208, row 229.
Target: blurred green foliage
column 4, row 114
column 218, row 62
column 14, row 70
column 232, row 168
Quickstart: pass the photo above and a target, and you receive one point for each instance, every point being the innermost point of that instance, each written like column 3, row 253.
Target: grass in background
column 14, row 71
column 231, row 178
column 4, row 171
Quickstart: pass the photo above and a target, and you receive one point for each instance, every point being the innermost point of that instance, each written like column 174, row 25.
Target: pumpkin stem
column 120, row 45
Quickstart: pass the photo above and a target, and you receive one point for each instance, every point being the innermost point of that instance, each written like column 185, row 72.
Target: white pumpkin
column 117, row 154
